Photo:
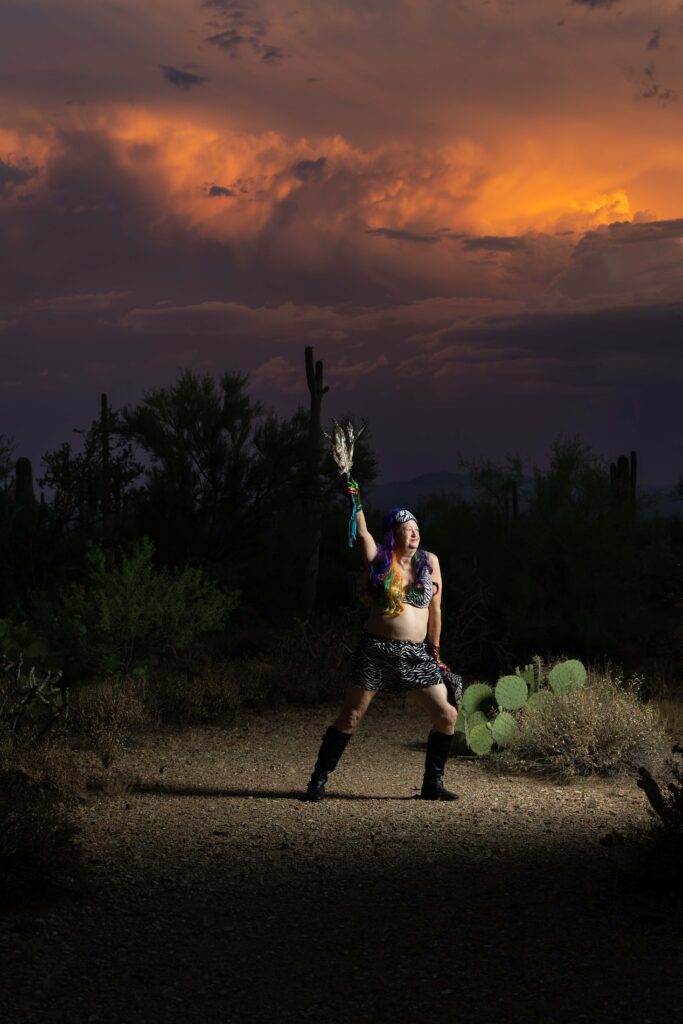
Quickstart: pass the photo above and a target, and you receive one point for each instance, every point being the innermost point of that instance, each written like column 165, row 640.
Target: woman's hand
column 353, row 491
column 368, row 546
column 434, row 651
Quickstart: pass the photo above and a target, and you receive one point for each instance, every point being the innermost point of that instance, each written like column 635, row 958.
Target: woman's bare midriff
column 411, row 624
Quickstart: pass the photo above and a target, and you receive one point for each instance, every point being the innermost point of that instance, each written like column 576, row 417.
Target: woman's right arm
column 367, row 543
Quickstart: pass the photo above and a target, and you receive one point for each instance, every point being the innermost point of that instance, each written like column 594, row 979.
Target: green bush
column 127, row 613
column 602, row 728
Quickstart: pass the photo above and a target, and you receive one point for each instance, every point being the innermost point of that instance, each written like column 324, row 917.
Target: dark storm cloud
column 653, row 41
column 229, row 39
column 623, row 262
column 625, row 232
column 650, row 89
column 402, row 235
column 594, row 3
column 649, row 331
column 271, row 54
column 310, row 170
column 11, row 175
column 90, row 227
column 494, row 243
column 99, row 223
column 237, row 26
column 235, row 8
column 567, row 350
column 181, row 79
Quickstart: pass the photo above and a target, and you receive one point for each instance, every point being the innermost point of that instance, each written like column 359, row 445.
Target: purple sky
column 472, row 210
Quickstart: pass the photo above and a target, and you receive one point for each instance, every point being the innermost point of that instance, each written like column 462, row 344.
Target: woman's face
column 407, row 536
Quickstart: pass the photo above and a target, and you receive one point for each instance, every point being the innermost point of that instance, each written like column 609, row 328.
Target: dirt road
column 216, row 895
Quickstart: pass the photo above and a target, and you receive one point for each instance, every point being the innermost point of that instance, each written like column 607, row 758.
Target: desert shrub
column 651, row 858
column 127, row 614
column 39, row 851
column 105, row 715
column 303, row 666
column 211, row 695
column 603, row 728
column 32, row 704
column 311, row 666
column 665, row 690
column 666, row 800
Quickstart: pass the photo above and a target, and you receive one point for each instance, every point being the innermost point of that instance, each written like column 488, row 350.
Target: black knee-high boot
column 332, row 747
column 438, row 749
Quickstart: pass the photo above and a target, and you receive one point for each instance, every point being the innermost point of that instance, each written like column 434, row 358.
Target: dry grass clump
column 303, row 682
column 39, row 852
column 666, row 693
column 603, row 728
column 312, row 667
column 207, row 697
column 105, row 715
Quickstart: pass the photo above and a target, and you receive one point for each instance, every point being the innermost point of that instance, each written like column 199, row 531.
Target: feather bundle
column 342, row 442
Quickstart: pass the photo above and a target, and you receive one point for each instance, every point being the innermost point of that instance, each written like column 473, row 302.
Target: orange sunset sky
column 472, row 210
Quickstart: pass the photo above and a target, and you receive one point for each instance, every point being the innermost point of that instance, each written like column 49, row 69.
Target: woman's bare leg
column 356, row 703
column 434, row 699
column 442, row 715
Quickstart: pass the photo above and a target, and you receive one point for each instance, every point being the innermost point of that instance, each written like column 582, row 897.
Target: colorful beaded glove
column 353, row 490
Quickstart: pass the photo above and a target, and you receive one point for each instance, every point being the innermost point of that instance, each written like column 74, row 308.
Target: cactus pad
column 503, row 728
column 478, row 697
column 480, row 739
column 475, row 719
column 536, row 700
column 460, row 722
column 567, row 676
column 527, row 674
column 511, row 692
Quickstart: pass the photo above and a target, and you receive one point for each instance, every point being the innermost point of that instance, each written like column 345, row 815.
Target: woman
column 399, row 650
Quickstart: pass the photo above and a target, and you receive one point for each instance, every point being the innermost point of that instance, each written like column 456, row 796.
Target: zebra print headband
column 401, row 515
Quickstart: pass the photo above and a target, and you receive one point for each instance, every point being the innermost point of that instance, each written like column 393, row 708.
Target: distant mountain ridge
column 386, row 495
column 657, row 500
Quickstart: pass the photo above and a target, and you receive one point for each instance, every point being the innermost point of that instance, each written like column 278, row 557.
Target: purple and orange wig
column 386, row 579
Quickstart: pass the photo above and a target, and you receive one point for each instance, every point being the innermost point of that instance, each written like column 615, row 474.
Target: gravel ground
column 214, row 894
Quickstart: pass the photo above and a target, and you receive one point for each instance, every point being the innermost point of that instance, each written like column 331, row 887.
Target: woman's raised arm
column 367, row 542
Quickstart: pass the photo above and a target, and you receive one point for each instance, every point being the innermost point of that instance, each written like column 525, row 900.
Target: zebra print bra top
column 419, row 593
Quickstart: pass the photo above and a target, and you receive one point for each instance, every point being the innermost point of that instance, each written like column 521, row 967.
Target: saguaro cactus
column 23, row 478
column 314, row 379
column 105, row 498
column 623, row 475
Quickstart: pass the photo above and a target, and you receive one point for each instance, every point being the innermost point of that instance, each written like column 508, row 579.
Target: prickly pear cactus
column 473, row 721
column 567, row 676
column 511, row 692
column 481, row 739
column 503, row 728
column 536, row 700
column 478, row 697
column 539, row 672
column 527, row 674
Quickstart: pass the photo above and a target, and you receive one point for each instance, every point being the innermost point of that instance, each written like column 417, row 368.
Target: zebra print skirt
column 392, row 666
